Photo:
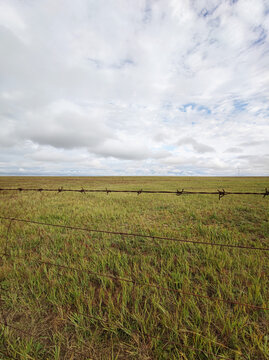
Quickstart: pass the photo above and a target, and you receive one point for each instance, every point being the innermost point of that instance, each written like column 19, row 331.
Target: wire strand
column 153, row 237
column 221, row 193
column 149, row 285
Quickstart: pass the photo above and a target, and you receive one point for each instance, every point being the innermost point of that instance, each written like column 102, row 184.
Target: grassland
column 126, row 321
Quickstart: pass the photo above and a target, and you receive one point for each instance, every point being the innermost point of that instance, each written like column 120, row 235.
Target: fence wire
column 153, row 237
column 137, row 283
column 220, row 193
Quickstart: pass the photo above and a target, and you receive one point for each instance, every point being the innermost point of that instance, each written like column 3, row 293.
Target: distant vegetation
column 47, row 312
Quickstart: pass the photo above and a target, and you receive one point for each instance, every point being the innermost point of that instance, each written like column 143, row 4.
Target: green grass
column 76, row 315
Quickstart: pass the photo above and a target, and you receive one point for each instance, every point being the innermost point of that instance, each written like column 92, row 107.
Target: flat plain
column 69, row 312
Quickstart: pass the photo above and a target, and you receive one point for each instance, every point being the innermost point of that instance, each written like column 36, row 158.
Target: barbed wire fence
column 133, row 281
column 220, row 193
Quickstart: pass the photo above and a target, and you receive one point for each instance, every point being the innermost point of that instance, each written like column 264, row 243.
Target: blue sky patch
column 240, row 105
column 261, row 35
column 197, row 107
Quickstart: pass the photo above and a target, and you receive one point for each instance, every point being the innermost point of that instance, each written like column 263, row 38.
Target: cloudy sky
column 134, row 87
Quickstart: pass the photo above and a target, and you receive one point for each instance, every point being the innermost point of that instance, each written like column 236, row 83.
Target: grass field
column 69, row 314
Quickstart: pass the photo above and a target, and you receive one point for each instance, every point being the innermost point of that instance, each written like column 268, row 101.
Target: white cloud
column 197, row 146
column 134, row 87
column 11, row 19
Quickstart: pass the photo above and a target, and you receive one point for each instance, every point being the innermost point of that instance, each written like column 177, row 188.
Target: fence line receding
column 220, row 193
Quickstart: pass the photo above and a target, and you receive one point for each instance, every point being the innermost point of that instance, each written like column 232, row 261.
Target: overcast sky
column 134, row 87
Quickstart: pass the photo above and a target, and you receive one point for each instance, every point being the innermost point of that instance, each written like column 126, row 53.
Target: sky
column 144, row 87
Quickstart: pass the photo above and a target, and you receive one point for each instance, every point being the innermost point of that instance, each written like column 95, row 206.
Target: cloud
column 254, row 163
column 123, row 150
column 234, row 150
column 64, row 125
column 11, row 19
column 197, row 146
column 134, row 87
column 254, row 143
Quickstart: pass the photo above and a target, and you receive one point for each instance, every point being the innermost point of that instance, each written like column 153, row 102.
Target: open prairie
column 159, row 299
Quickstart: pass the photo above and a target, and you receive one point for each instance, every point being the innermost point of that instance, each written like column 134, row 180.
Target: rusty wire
column 220, row 193
column 133, row 281
column 153, row 237
column 137, row 283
